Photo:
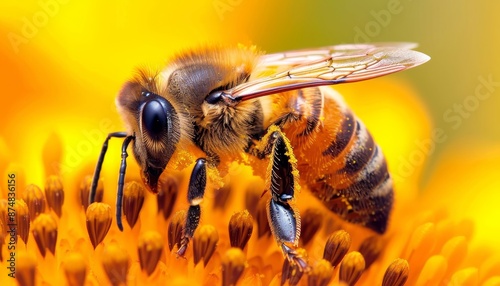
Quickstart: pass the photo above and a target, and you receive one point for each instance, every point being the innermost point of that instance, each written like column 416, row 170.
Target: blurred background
column 62, row 62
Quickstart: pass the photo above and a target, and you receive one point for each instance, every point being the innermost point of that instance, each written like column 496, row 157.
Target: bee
column 274, row 111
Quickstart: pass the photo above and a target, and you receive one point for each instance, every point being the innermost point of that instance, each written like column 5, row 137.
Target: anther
column 233, row 265
column 175, row 229
column 321, row 273
column 222, row 196
column 240, row 229
column 397, row 273
column 371, row 249
column 115, row 262
column 99, row 220
column 22, row 219
column 150, row 250
column 75, row 269
column 204, row 243
column 311, row 220
column 45, row 233
column 336, row 247
column 85, row 190
column 261, row 218
column 55, row 194
column 133, row 198
column 167, row 195
column 351, row 268
column 26, row 268
column 35, row 199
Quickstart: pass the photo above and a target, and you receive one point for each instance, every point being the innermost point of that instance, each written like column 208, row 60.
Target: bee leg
column 283, row 216
column 196, row 190
column 121, row 179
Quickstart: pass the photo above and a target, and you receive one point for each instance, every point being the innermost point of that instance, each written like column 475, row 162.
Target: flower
column 429, row 241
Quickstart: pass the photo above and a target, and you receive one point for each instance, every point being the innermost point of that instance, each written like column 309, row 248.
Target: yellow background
column 62, row 62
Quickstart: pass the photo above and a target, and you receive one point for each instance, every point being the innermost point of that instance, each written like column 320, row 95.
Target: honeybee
column 235, row 103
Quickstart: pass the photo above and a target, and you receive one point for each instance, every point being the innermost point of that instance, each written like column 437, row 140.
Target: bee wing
column 326, row 66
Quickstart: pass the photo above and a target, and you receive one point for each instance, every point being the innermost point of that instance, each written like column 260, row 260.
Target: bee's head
column 155, row 125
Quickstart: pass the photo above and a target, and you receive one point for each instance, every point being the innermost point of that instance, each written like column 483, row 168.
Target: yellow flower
column 430, row 238
column 59, row 73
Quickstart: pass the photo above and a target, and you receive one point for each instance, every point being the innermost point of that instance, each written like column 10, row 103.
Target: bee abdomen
column 360, row 191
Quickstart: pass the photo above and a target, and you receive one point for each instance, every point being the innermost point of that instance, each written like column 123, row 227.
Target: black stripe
column 314, row 103
column 359, row 156
column 343, row 136
column 365, row 184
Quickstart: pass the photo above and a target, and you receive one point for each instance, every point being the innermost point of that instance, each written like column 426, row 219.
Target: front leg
column 282, row 181
column 196, row 191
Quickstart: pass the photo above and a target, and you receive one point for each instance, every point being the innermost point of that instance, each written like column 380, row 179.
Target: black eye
column 154, row 119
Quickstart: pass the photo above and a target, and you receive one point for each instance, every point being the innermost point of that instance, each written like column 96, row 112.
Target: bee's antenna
column 98, row 167
column 121, row 179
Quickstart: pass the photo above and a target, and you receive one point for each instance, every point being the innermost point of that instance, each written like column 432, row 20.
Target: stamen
column 433, row 271
column 35, row 199
column 397, row 273
column 311, row 220
column 252, row 195
column 98, row 222
column 75, row 269
column 454, row 250
column 25, row 272
column 261, row 218
column 167, row 195
column 115, row 262
column 240, row 229
column 4, row 218
column 150, row 250
column 133, row 198
column 204, row 243
column 85, row 186
column 175, row 229
column 221, row 197
column 336, row 247
column 321, row 273
column 45, row 233
column 22, row 219
column 371, row 249
column 233, row 265
column 293, row 272
column 467, row 276
column 55, row 194
column 351, row 268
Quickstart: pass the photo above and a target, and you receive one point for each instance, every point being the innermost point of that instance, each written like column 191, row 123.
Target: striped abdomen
column 337, row 157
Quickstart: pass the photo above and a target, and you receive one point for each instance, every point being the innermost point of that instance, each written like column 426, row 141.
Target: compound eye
column 154, row 119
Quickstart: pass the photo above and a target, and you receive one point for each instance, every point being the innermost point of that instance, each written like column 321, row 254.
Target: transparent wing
column 326, row 66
